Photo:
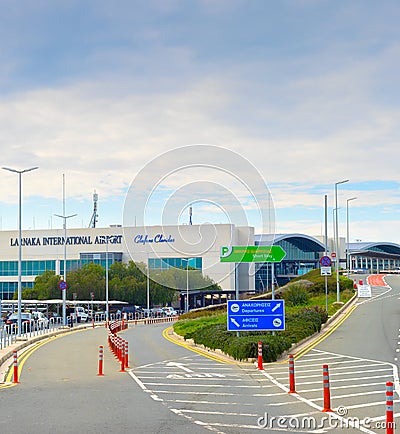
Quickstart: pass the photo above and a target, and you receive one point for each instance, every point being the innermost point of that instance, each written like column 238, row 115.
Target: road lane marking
column 213, row 403
column 23, row 357
column 317, row 341
column 143, row 387
column 195, row 350
column 179, row 392
column 202, row 385
column 219, row 413
column 178, row 365
column 197, row 422
column 336, row 374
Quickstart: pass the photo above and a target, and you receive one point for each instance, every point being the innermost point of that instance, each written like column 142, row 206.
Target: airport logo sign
column 159, row 238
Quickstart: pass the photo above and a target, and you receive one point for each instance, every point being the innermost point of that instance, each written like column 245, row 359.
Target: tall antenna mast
column 93, row 220
column 190, row 215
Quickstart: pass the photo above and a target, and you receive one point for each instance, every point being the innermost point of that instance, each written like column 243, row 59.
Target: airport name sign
column 252, row 254
column 265, row 315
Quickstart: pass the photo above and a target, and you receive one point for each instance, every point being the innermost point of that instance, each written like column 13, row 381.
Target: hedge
column 299, row 325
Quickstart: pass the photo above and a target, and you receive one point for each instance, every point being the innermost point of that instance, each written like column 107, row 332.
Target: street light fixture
column 20, row 172
column 347, row 235
column 337, row 240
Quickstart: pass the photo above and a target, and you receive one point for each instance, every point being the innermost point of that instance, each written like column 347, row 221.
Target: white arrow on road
column 179, row 365
column 235, row 322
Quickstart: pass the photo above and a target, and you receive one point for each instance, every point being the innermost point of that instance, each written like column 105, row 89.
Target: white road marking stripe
column 370, row 404
column 297, row 363
column 197, row 422
column 219, row 413
column 379, row 362
column 336, row 368
column 307, row 401
column 247, row 427
column 333, row 396
column 343, row 387
column 202, row 385
column 179, row 392
column 395, row 368
column 345, row 379
column 333, row 374
column 193, row 377
column 143, row 387
column 187, row 401
column 376, row 419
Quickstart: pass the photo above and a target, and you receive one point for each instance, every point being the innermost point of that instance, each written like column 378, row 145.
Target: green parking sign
column 252, row 254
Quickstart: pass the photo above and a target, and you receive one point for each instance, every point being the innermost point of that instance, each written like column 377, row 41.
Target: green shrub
column 212, row 333
column 296, row 295
column 304, row 323
column 244, row 346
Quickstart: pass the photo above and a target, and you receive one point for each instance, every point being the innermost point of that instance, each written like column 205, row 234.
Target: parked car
column 27, row 321
column 147, row 312
column 170, row 311
column 40, row 318
column 157, row 311
column 79, row 314
column 128, row 312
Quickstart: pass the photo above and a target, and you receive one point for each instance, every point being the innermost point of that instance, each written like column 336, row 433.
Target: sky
column 301, row 93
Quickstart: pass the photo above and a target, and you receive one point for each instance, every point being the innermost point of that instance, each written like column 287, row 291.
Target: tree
column 89, row 278
column 127, row 282
column 45, row 287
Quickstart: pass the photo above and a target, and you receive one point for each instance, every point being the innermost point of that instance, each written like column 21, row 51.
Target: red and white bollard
column 100, row 373
column 126, row 354
column 327, row 392
column 260, row 361
column 389, row 408
column 15, row 377
column 119, row 348
column 292, row 388
column 122, row 359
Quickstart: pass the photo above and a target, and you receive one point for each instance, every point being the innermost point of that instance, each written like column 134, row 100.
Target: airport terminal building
column 161, row 247
column 194, row 246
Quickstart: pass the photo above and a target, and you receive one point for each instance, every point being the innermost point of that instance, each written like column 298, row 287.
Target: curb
column 324, row 328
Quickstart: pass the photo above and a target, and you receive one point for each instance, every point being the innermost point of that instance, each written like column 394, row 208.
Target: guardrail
column 9, row 332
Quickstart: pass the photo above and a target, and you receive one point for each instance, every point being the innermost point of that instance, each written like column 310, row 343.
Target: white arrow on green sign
column 252, row 254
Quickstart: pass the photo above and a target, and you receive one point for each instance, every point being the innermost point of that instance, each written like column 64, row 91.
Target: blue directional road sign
column 248, row 315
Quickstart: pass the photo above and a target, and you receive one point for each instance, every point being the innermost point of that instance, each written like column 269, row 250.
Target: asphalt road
column 60, row 392
column 169, row 389
column 362, row 355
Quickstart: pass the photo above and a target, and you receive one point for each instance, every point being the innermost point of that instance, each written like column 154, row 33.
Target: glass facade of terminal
column 35, row 268
column 161, row 264
column 301, row 257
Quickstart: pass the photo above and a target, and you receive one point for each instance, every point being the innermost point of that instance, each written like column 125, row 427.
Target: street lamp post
column 148, row 286
column 347, row 234
column 107, row 303
column 20, row 172
column 337, row 240
column 64, row 297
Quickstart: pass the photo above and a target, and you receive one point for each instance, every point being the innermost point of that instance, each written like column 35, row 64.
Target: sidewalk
column 22, row 344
